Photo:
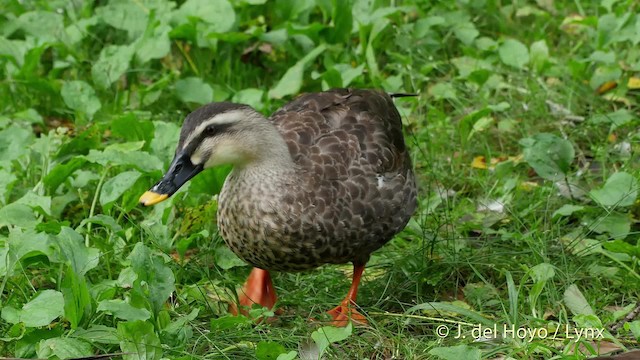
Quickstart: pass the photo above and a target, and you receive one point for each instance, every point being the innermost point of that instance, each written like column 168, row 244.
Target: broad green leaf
column 80, row 257
column 616, row 119
column 64, row 348
column 269, row 350
column 605, row 73
column 61, row 172
column 138, row 159
column 40, row 311
column 23, row 245
column 14, row 142
column 80, row 96
column 218, row 14
column 155, row 44
column 123, row 310
column 514, row 53
column 620, row 190
column 291, row 355
column 634, row 326
column 46, row 26
column 157, row 277
column 291, row 82
column 118, row 185
column 449, row 307
column 139, row 341
column 466, row 32
column 112, row 63
column 615, row 224
column 77, row 300
column 79, row 30
column 623, row 247
column 539, row 54
column 19, row 215
column 251, row 96
column 194, row 89
column 104, row 220
column 457, row 352
column 576, row 302
column 98, row 334
column 226, row 259
column 14, row 49
column 549, row 155
column 165, row 139
column 328, row 335
column 542, row 272
column 567, row 210
column 127, row 15
column 36, row 202
column 443, row 90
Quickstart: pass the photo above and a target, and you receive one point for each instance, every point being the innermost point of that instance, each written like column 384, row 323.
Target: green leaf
column 251, row 96
column 449, row 307
column 466, row 32
column 443, row 90
column 61, row 172
column 112, row 156
column 549, row 155
column 327, row 335
column 123, row 310
column 269, row 350
column 291, row 82
column 40, row 311
column 37, row 202
column 291, row 355
column 194, row 89
column 567, row 210
column 155, row 279
column 125, row 15
column 23, row 245
column 77, row 300
column 112, row 63
column 218, row 14
column 19, row 215
column 155, row 44
column 115, row 187
column 98, row 334
column 47, row 26
column 620, row 190
column 457, row 352
column 576, row 302
column 80, row 257
column 514, row 53
column 539, row 54
column 14, row 142
column 226, row 259
column 614, row 223
column 139, row 341
column 64, row 348
column 80, row 96
column 634, row 327
column 622, row 247
column 616, row 119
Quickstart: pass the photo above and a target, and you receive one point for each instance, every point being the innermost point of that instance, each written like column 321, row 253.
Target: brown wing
column 358, row 172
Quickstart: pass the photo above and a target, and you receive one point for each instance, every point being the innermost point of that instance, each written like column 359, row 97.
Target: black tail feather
column 400, row 95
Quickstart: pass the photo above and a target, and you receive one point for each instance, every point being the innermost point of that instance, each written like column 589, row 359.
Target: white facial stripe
column 224, row 118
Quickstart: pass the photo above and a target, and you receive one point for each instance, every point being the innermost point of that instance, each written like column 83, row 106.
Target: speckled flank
column 350, row 190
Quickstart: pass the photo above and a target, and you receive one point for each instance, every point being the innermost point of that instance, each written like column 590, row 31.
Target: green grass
column 90, row 121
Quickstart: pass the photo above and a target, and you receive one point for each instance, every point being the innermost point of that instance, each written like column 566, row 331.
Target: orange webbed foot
column 258, row 289
column 344, row 313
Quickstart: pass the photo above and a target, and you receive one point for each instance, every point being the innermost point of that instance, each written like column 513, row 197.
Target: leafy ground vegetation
column 524, row 136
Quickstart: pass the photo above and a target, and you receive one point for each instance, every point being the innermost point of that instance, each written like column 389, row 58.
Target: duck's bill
column 180, row 171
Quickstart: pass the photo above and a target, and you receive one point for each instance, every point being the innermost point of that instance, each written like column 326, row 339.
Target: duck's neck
column 270, row 156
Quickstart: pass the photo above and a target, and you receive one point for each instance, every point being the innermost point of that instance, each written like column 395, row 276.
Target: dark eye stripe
column 209, row 131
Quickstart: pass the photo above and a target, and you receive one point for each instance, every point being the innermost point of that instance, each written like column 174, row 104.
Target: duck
column 326, row 179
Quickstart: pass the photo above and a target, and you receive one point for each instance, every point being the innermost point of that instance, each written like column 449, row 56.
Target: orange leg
column 346, row 310
column 257, row 290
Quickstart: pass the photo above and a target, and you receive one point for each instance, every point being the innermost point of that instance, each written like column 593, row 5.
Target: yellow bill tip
column 151, row 198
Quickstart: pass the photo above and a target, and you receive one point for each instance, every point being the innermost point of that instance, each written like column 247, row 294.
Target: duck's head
column 214, row 134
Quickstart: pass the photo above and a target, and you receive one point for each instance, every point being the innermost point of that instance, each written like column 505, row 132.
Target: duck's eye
column 210, row 130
